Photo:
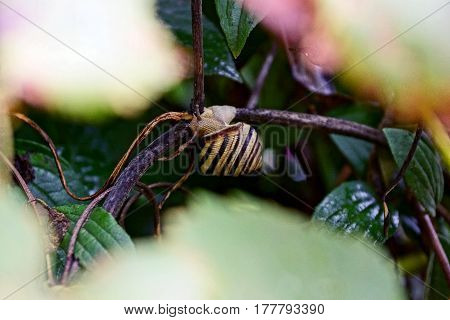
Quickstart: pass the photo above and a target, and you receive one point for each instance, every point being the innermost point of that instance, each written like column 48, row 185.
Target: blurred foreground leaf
column 98, row 58
column 100, row 237
column 424, row 175
column 405, row 52
column 401, row 58
column 353, row 208
column 22, row 252
column 245, row 248
column 217, row 58
column 236, row 23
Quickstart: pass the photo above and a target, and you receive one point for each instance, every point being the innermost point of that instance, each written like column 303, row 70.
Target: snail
column 226, row 149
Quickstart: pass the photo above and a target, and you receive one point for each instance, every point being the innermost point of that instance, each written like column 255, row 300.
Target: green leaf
column 100, row 237
column 46, row 184
column 58, row 261
column 353, row 208
column 424, row 175
column 236, row 23
column 96, row 149
column 241, row 247
column 356, row 151
column 176, row 14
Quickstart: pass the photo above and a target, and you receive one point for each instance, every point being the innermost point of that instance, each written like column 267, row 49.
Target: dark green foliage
column 236, row 23
column 176, row 14
column 353, row 208
column 424, row 175
column 100, row 238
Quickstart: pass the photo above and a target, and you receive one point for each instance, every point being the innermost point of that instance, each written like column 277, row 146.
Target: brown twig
column 76, row 231
column 151, row 196
column 181, row 180
column 197, row 105
column 398, row 177
column 443, row 212
column 345, row 127
column 174, row 137
column 168, row 116
column 430, row 232
column 344, row 174
column 32, row 200
column 21, row 181
column 167, row 185
column 133, row 198
column 254, row 97
column 412, row 151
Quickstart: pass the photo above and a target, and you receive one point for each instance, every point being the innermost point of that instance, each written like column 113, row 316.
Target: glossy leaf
column 217, row 58
column 236, row 23
column 100, row 237
column 353, row 208
column 46, row 184
column 424, row 175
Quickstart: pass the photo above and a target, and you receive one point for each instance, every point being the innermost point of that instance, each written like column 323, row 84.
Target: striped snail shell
column 227, row 149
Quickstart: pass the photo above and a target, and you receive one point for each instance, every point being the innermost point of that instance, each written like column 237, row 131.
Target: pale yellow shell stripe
column 204, row 149
column 243, row 133
column 251, row 148
column 250, row 166
column 215, row 149
column 233, row 134
column 260, row 160
column 228, row 152
column 247, row 151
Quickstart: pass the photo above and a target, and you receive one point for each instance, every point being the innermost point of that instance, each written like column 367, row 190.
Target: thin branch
column 412, row 151
column 198, row 101
column 76, row 231
column 173, row 138
column 151, row 196
column 180, row 182
column 21, row 181
column 168, row 116
column 32, row 200
column 133, row 198
column 254, row 97
column 168, row 185
column 398, row 177
column 436, row 245
column 345, row 127
column 443, row 212
column 344, row 174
